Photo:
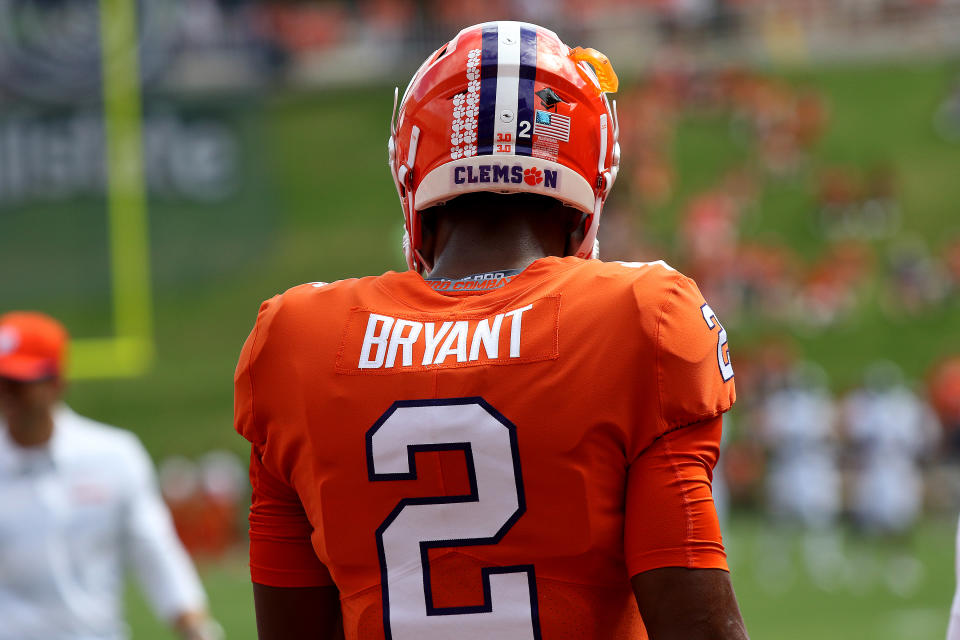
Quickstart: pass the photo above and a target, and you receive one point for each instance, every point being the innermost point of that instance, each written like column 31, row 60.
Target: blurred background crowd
column 798, row 158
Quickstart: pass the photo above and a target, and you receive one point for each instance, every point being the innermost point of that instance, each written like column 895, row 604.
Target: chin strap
column 402, row 177
column 590, row 247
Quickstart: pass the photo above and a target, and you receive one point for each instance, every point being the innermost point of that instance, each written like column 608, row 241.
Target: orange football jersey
column 485, row 465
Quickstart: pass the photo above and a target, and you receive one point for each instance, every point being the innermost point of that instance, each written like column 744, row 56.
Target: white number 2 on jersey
column 416, row 525
column 723, row 351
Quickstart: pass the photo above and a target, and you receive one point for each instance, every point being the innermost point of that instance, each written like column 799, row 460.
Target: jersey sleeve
column 281, row 553
column 694, row 371
column 671, row 520
column 244, row 416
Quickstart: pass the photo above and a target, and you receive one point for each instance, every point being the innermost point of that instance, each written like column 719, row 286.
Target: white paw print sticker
column 9, row 340
column 466, row 110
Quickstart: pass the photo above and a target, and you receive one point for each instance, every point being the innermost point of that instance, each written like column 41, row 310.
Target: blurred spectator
column 782, row 123
column 180, row 485
column 80, row 506
column 839, row 194
column 947, row 117
column 951, row 263
column 743, row 469
column 224, row 481
column 205, row 500
column 760, row 372
column 799, row 430
column 944, row 389
column 764, row 370
column 833, row 286
column 710, row 226
column 710, row 237
column 766, row 275
column 853, row 205
column 916, row 280
column 889, row 430
column 811, row 116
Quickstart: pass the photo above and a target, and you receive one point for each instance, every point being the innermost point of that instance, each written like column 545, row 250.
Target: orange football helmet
column 506, row 107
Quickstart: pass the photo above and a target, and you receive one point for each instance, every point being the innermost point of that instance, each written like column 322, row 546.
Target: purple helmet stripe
column 525, row 96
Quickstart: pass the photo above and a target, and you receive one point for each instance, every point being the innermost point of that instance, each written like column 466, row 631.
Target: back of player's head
column 506, row 107
column 487, row 214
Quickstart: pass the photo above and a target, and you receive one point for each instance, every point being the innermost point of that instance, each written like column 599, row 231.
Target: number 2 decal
column 723, row 351
column 483, row 517
column 524, row 129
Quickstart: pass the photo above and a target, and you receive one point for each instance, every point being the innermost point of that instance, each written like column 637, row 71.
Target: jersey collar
column 418, row 293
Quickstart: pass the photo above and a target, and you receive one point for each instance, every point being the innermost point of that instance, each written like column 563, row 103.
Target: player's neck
column 468, row 249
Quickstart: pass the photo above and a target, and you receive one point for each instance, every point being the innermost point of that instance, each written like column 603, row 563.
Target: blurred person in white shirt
column 80, row 506
column 953, row 627
column 890, row 429
column 803, row 480
column 799, row 430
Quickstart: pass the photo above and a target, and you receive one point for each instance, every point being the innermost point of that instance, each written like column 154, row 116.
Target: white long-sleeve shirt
column 74, row 514
column 953, row 629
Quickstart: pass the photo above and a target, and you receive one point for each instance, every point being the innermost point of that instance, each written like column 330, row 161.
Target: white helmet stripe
column 508, row 86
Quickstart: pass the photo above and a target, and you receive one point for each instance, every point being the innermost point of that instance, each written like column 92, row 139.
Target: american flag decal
column 552, row 125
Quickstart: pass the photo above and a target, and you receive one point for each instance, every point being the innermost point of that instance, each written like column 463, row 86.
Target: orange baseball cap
column 33, row 346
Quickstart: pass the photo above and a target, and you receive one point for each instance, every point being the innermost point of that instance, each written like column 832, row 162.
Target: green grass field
column 316, row 203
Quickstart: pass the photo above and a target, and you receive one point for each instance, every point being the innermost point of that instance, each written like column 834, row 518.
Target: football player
column 511, row 439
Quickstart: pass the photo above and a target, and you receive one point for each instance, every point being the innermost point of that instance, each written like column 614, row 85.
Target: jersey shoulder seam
column 677, row 278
